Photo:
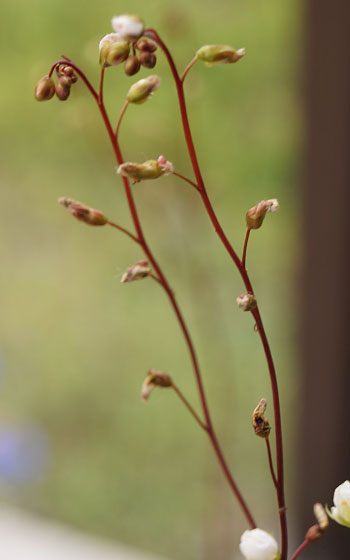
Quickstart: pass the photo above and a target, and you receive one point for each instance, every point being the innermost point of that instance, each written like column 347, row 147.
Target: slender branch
column 189, row 407
column 185, row 179
column 68, row 62
column 120, row 228
column 188, row 68
column 154, row 277
column 245, row 247
column 122, row 113
column 256, row 314
column 171, row 296
column 100, row 97
column 272, row 470
column 300, row 549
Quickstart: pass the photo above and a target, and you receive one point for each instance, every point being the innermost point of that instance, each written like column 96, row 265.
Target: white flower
column 128, row 27
column 341, row 510
column 259, row 545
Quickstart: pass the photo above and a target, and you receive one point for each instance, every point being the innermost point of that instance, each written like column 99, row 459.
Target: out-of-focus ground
column 76, row 442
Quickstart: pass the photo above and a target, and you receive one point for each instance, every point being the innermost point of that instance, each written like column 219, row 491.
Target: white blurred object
column 26, row 537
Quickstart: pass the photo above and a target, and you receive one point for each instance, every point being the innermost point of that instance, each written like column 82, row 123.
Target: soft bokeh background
column 76, row 442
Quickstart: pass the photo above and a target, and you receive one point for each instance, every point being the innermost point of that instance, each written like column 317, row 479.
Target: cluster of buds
column 121, row 45
column 46, row 88
column 136, row 271
column 151, row 169
column 83, row 213
column 246, row 302
column 219, row 54
column 256, row 215
column 155, row 379
column 260, row 423
column 259, row 545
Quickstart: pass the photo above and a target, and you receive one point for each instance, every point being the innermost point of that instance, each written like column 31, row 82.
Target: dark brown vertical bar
column 324, row 434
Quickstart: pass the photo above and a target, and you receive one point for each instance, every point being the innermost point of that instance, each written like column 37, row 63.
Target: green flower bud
column 113, row 50
column 219, row 54
column 143, row 89
column 151, row 169
column 83, row 213
column 44, row 89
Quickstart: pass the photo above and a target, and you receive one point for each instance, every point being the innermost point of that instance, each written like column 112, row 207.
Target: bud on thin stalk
column 256, row 215
column 83, row 213
column 136, row 271
column 151, row 169
column 260, row 423
column 44, row 89
column 155, row 379
column 143, row 89
column 219, row 54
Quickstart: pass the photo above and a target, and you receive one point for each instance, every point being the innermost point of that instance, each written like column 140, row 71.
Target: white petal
column 258, row 545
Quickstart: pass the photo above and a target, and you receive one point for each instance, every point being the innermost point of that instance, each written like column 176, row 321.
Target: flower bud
column 259, row 545
column 246, row 302
column 219, row 54
column 256, row 215
column 151, row 169
column 128, row 27
column 143, row 89
column 68, row 71
column 63, row 88
column 321, row 516
column 341, row 510
column 145, row 45
column 132, row 65
column 155, row 379
column 313, row 534
column 148, row 59
column 260, row 423
column 44, row 89
column 137, row 271
column 113, row 50
column 83, row 213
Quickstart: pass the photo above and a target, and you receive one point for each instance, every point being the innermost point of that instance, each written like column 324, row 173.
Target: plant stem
column 100, row 97
column 272, row 470
column 122, row 113
column 189, row 407
column 245, row 247
column 146, row 249
column 185, row 179
column 188, row 68
column 241, row 268
column 120, row 228
column 300, row 549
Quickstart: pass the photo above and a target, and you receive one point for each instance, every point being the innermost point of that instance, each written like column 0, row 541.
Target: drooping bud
column 259, row 545
column 128, row 27
column 143, row 89
column 132, row 65
column 145, row 45
column 113, row 50
column 148, row 59
column 83, row 213
column 256, row 215
column 44, row 89
column 68, row 72
column 260, row 423
column 155, row 379
column 136, row 271
column 151, row 169
column 246, row 302
column 63, row 88
column 219, row 54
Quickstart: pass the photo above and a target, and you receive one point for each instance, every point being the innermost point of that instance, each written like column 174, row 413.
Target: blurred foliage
column 76, row 344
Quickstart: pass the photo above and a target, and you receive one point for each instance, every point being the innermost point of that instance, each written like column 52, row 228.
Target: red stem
column 244, row 255
column 241, row 268
column 272, row 470
column 300, row 549
column 141, row 239
column 116, row 226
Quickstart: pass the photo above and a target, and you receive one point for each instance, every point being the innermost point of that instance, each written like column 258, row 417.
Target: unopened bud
column 219, row 54
column 132, row 65
column 143, row 89
column 321, row 516
column 313, row 534
column 136, row 271
column 246, row 302
column 145, row 45
column 113, row 50
column 68, row 71
column 44, row 89
column 83, row 213
column 148, row 59
column 256, row 215
column 260, row 423
column 151, row 169
column 129, row 27
column 155, row 379
column 63, row 88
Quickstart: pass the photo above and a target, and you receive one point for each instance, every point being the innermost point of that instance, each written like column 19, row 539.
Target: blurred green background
column 75, row 344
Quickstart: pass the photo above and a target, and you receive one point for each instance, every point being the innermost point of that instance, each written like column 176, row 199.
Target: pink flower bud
column 246, row 302
column 256, row 215
column 83, row 213
column 137, row 271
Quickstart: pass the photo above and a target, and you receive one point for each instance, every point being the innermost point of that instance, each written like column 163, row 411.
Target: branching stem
column 189, row 407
